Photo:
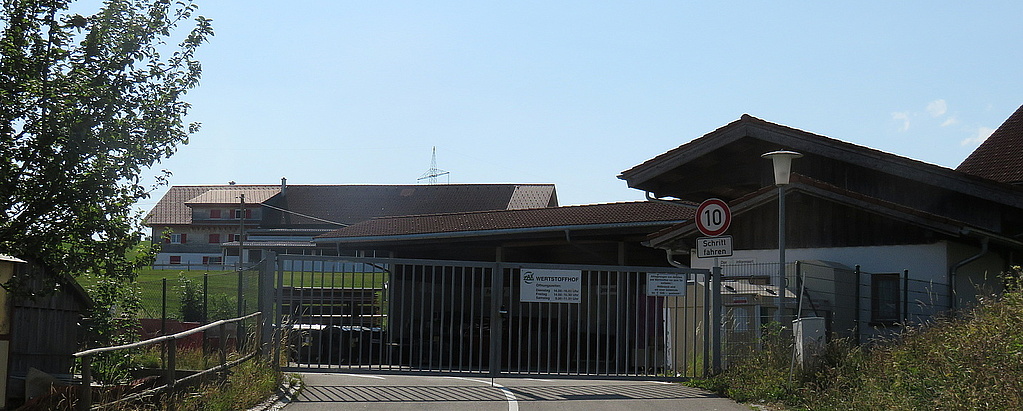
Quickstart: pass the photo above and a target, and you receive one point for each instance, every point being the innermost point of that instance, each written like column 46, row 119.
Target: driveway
column 338, row 391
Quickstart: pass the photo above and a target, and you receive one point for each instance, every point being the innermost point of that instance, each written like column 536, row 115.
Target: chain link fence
column 853, row 304
column 199, row 296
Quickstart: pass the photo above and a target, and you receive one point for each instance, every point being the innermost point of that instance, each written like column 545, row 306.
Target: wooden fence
column 169, row 371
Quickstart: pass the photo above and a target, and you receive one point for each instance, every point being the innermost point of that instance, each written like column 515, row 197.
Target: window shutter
column 184, row 238
column 248, row 213
column 214, row 238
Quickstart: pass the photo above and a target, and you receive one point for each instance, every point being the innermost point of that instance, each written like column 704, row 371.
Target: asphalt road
column 336, row 391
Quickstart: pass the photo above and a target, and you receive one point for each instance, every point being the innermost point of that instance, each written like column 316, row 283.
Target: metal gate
column 493, row 318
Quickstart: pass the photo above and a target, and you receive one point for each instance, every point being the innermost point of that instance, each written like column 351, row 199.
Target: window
column 214, row 238
column 215, row 213
column 175, row 259
column 207, row 260
column 177, row 239
column 238, row 213
column 233, row 237
column 885, row 298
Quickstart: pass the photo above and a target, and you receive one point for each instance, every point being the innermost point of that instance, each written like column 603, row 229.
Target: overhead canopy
column 726, row 163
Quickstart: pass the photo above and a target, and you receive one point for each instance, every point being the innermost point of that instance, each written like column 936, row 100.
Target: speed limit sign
column 713, row 217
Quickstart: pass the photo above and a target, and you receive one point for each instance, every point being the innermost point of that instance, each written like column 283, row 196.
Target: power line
column 306, row 216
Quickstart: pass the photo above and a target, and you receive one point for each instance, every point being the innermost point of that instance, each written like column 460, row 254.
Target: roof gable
column 726, row 163
column 1000, row 157
column 172, row 208
column 232, row 196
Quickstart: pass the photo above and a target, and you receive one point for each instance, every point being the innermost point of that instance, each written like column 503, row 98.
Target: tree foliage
column 87, row 104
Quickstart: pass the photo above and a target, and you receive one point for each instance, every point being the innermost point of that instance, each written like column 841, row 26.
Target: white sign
column 665, row 284
column 736, row 261
column 709, row 247
column 713, row 217
column 550, row 286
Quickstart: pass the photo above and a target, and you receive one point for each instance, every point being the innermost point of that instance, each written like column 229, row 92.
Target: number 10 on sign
column 713, row 217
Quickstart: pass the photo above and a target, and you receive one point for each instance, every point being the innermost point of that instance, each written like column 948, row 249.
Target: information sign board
column 550, row 286
column 665, row 284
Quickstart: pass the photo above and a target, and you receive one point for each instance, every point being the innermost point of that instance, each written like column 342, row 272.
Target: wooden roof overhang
column 530, row 234
column 556, row 234
column 726, row 164
column 679, row 236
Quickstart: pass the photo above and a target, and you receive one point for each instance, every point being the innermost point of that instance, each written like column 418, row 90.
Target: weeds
column 247, row 385
column 972, row 361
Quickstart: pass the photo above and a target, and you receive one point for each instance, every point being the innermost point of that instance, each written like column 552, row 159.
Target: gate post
column 496, row 322
column 266, row 298
column 716, row 306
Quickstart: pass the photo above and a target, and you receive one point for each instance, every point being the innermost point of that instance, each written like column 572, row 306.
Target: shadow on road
column 458, row 393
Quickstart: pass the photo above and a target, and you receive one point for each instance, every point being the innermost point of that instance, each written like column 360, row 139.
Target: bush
column 190, row 296
column 758, row 375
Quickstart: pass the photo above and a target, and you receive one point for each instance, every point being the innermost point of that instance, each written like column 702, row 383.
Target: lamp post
column 782, row 161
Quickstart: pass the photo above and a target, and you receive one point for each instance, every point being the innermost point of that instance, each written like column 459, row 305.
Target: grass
column 246, row 386
column 223, row 287
column 973, row 360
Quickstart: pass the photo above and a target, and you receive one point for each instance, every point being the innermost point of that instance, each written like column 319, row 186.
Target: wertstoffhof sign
column 550, row 286
column 710, row 247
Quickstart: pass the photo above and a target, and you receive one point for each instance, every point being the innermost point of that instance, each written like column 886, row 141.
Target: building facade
column 212, row 224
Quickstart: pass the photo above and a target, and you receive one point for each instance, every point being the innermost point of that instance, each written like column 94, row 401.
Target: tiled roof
column 171, row 210
column 595, row 214
column 231, row 195
column 1000, row 157
column 349, row 204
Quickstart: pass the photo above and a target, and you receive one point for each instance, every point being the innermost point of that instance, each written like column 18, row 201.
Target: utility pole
column 241, row 254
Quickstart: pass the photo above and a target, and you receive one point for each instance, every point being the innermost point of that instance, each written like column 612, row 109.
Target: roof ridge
column 749, row 119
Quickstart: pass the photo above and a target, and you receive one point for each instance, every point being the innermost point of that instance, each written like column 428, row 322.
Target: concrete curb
column 285, row 394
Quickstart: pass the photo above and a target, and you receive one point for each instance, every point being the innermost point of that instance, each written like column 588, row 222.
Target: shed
column 39, row 331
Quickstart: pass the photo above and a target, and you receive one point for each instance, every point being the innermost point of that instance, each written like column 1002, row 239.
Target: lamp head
column 782, row 161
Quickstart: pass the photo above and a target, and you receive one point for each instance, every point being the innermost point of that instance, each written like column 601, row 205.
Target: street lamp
column 782, row 161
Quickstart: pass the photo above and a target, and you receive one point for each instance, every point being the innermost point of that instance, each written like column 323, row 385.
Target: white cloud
column 902, row 116
column 951, row 120
column 982, row 134
column 937, row 108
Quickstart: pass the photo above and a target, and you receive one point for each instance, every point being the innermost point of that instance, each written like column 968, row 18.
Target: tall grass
column 973, row 360
column 247, row 385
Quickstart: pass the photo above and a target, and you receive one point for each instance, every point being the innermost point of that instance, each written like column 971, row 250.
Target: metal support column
column 781, row 255
column 496, row 322
column 716, row 307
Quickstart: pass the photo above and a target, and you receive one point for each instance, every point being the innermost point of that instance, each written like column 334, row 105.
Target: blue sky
column 572, row 93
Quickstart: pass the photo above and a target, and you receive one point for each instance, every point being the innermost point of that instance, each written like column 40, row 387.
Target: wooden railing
column 170, row 371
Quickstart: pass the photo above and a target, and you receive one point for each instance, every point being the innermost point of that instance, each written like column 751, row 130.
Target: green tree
column 87, row 103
